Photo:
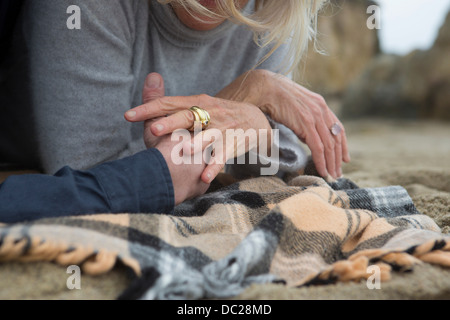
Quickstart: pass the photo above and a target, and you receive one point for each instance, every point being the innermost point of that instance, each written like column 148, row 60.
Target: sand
column 415, row 155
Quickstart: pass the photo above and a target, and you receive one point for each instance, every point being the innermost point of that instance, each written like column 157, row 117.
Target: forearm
column 139, row 183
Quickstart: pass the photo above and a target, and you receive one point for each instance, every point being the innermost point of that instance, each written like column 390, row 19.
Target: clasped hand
column 244, row 104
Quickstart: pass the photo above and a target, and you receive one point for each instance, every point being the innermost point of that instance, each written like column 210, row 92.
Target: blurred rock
column 348, row 45
column 413, row 86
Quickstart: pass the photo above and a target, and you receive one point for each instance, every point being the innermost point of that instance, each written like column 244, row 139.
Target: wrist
column 166, row 153
column 185, row 177
column 262, row 89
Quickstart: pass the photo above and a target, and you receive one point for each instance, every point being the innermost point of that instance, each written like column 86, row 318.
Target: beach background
column 391, row 89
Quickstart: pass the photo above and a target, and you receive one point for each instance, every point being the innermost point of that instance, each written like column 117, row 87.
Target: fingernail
column 153, row 82
column 131, row 114
column 159, row 127
column 208, row 176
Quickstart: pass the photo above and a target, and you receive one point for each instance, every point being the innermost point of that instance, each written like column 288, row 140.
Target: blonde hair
column 274, row 22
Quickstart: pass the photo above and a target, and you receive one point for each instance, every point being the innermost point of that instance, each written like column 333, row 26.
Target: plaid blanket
column 297, row 232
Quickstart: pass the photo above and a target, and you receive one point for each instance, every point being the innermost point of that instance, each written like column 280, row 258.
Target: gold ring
column 200, row 115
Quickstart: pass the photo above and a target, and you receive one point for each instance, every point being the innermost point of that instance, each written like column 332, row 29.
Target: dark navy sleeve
column 137, row 184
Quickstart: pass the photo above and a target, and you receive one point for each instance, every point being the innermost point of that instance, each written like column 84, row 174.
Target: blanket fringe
column 91, row 261
column 352, row 270
column 438, row 257
column 356, row 267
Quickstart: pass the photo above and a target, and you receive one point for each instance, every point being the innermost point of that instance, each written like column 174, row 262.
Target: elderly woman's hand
column 304, row 112
column 172, row 113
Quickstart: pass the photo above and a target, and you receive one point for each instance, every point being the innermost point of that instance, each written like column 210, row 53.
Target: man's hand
column 185, row 177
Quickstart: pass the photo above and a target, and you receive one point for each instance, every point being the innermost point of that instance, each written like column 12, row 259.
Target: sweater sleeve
column 136, row 184
column 81, row 80
column 287, row 155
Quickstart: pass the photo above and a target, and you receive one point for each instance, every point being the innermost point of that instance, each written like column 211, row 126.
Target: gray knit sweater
column 64, row 91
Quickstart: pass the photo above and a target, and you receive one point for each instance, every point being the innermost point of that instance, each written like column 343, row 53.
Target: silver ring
column 335, row 129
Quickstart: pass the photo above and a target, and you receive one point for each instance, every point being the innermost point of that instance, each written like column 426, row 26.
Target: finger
column 211, row 172
column 153, row 87
column 147, row 111
column 215, row 161
column 317, row 151
column 342, row 153
column 345, row 155
column 209, row 154
column 345, row 151
column 204, row 139
column 331, row 118
column 338, row 152
column 329, row 147
column 163, row 106
column 183, row 119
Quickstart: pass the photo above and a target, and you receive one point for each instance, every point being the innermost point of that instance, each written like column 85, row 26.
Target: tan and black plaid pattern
column 259, row 230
